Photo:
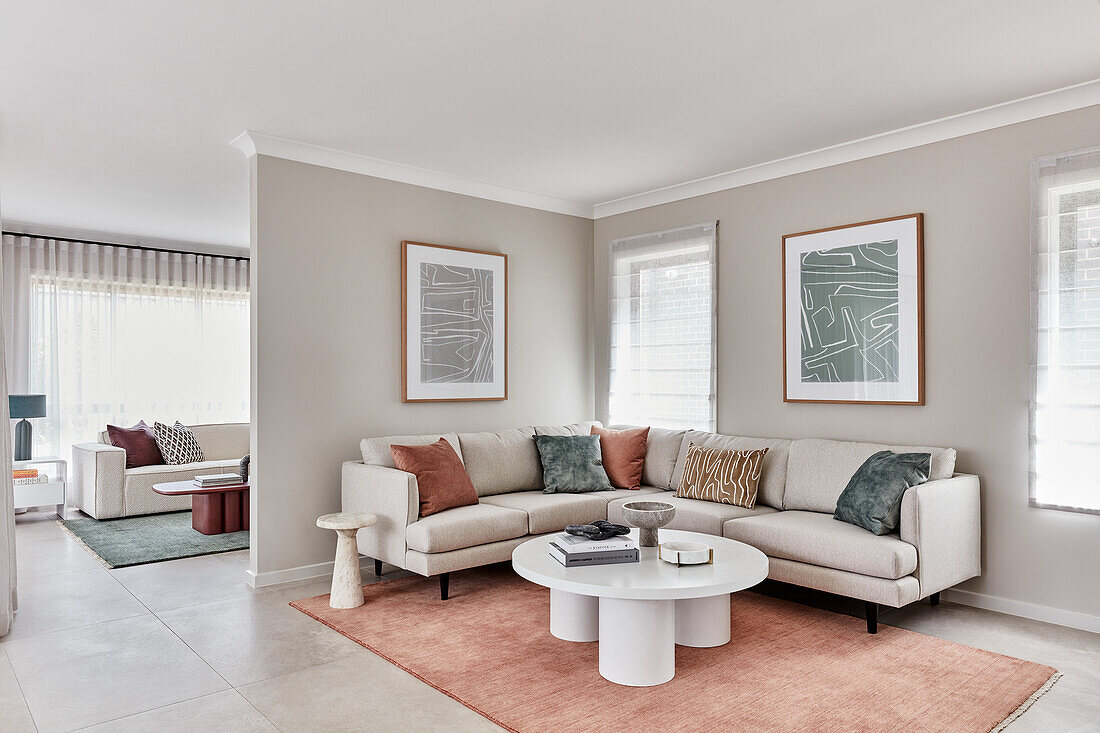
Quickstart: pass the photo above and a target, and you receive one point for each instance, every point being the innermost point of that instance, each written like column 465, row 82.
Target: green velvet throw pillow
column 872, row 498
column 572, row 464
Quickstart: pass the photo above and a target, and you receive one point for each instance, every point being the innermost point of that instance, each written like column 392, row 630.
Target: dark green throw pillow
column 572, row 464
column 872, row 498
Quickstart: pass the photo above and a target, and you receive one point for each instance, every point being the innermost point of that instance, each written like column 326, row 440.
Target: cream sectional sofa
column 104, row 488
column 937, row 546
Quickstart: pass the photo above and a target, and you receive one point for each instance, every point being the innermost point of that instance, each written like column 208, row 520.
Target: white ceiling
column 115, row 116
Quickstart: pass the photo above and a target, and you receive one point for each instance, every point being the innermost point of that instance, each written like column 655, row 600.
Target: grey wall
column 974, row 193
column 326, row 332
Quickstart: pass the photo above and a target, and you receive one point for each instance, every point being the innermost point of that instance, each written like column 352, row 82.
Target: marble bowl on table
column 648, row 516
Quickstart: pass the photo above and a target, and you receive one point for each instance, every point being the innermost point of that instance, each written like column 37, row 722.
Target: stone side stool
column 347, row 583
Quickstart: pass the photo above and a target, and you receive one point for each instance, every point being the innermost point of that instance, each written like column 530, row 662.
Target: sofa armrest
column 942, row 519
column 99, row 472
column 390, row 495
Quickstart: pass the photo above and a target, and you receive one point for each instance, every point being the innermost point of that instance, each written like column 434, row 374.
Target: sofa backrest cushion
column 661, row 451
column 502, row 462
column 219, row 441
column 773, row 478
column 376, row 451
column 943, row 459
column 818, row 470
column 223, row 441
column 577, row 428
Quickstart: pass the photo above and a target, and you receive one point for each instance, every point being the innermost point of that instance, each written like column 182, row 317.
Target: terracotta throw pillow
column 440, row 476
column 139, row 442
column 723, row 476
column 623, row 455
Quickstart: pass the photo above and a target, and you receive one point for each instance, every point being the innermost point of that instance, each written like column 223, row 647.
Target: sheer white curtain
column 1065, row 291
column 662, row 323
column 8, row 597
column 118, row 334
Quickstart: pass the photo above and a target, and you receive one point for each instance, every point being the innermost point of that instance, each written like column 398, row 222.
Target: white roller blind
column 662, row 313
column 1065, row 307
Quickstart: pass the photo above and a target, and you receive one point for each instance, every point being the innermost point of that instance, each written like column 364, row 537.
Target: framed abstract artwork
column 853, row 313
column 454, row 324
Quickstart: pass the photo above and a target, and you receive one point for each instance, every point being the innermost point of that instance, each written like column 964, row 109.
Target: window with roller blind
column 662, row 327
column 1065, row 289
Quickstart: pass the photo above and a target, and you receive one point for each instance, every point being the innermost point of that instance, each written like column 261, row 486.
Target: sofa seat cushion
column 552, row 512
column 502, row 462
column 465, row 526
column 138, row 496
column 179, row 472
column 818, row 539
column 631, row 494
column 693, row 515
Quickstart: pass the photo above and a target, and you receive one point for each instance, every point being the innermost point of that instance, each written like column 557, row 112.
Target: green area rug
column 150, row 538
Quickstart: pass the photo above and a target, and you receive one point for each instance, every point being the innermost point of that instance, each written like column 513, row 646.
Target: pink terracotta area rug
column 788, row 668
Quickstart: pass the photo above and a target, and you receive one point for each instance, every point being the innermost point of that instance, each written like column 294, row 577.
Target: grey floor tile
column 15, row 716
column 254, row 637
column 67, row 600
column 92, row 674
column 222, row 711
column 164, row 586
column 357, row 693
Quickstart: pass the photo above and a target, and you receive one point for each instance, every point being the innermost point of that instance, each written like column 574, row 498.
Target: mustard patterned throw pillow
column 723, row 476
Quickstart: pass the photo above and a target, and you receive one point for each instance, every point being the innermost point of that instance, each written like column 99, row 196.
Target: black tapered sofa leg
column 871, row 610
column 378, row 568
column 444, row 585
column 934, row 599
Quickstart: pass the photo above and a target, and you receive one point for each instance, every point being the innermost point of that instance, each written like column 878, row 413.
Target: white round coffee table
column 640, row 611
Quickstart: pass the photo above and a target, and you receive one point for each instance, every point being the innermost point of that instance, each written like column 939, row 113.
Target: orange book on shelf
column 25, row 473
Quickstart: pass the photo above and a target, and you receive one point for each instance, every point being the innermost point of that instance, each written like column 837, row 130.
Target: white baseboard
column 302, row 572
column 1033, row 611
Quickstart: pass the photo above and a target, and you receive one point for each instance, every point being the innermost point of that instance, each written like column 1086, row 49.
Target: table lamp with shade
column 24, row 406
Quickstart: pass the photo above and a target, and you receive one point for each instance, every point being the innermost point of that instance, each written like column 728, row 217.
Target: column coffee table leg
column 574, row 617
column 637, row 641
column 231, row 510
column 207, row 513
column 703, row 622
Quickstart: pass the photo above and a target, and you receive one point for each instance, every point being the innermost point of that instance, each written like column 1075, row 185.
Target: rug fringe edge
column 87, row 549
column 1031, row 700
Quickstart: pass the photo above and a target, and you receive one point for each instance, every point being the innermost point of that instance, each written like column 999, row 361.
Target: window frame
column 707, row 227
column 1048, row 214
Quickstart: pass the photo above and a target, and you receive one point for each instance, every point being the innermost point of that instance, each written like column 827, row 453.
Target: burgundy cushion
column 139, row 442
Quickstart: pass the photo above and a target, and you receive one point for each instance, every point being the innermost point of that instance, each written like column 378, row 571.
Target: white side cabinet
column 43, row 494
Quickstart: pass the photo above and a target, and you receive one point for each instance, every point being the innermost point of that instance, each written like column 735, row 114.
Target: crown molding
column 1045, row 104
column 255, row 143
column 1077, row 96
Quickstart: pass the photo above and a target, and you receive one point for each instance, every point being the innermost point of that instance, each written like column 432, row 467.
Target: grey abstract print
column 850, row 313
column 456, row 324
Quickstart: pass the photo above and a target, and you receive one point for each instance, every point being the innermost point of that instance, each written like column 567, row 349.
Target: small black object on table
column 601, row 529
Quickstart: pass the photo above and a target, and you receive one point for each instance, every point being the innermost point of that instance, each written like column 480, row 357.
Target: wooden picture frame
column 827, row 348
column 454, row 342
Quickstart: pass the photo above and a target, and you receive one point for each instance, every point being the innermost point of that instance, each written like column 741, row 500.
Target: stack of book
column 573, row 551
column 213, row 480
column 24, row 476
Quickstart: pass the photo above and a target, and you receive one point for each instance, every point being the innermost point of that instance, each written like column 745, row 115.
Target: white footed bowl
column 685, row 553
